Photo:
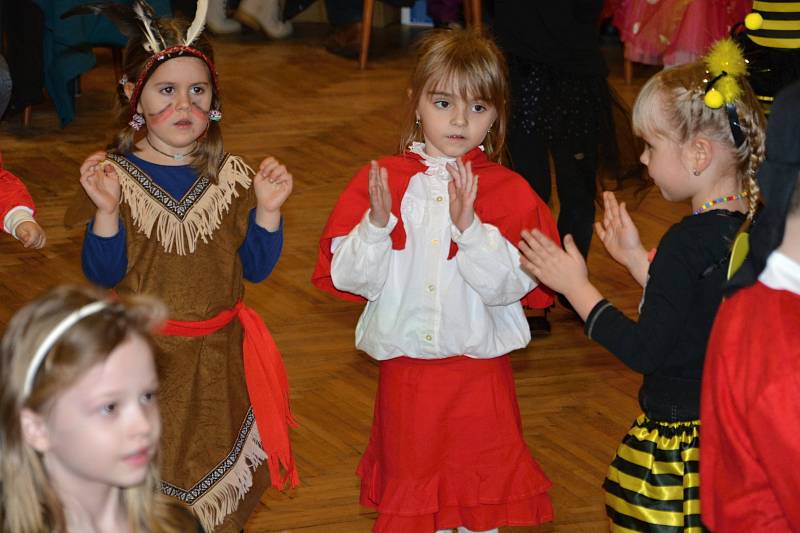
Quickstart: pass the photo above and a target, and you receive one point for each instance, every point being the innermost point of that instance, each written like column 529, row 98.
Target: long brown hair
column 208, row 154
column 475, row 67
column 28, row 502
column 679, row 92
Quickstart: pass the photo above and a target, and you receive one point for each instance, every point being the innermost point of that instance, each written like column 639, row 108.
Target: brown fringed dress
column 186, row 252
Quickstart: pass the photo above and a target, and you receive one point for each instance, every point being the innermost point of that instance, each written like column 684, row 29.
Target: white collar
column 437, row 166
column 781, row 273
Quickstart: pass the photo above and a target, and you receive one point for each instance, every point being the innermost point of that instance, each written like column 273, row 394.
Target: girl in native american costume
column 176, row 216
column 433, row 252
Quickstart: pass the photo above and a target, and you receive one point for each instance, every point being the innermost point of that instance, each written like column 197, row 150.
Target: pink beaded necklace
column 721, row 200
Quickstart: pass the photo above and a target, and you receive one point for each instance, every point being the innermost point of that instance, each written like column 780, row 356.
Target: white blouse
column 782, row 273
column 420, row 304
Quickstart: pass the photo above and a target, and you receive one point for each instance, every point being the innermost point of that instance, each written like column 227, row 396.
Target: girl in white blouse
column 428, row 238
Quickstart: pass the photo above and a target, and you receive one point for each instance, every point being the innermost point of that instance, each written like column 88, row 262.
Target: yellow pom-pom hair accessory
column 725, row 63
column 753, row 21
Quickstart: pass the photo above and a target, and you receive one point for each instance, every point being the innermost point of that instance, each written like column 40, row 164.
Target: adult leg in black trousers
column 575, row 164
column 529, row 158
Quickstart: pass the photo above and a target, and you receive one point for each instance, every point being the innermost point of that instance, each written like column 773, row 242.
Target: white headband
column 48, row 342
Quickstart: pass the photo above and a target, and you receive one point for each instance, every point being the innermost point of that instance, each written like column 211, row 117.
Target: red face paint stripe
column 163, row 115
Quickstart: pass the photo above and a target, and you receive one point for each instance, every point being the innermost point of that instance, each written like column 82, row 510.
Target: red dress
column 674, row 32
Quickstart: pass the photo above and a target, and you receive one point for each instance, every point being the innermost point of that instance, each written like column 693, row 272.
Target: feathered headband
column 725, row 64
column 140, row 19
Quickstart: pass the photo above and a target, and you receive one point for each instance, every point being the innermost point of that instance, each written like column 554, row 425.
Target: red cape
column 505, row 200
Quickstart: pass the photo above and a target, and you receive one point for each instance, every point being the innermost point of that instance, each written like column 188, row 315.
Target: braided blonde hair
column 679, row 91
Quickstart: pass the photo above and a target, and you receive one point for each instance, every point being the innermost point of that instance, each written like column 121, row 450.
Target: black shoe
column 540, row 326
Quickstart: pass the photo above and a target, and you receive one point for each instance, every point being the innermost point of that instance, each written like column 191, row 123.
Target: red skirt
column 446, row 449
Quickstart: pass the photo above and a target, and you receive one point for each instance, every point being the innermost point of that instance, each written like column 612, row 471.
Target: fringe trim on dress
column 202, row 219
column 224, row 497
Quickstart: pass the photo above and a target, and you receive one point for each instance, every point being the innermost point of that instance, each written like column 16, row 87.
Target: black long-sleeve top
column 681, row 298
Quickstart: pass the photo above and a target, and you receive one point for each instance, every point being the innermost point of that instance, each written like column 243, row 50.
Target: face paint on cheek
column 199, row 113
column 161, row 116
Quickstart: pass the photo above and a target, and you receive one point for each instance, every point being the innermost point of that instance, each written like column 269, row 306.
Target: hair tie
column 52, row 337
column 725, row 62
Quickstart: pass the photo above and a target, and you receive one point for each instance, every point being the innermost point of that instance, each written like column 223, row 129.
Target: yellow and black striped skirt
column 653, row 481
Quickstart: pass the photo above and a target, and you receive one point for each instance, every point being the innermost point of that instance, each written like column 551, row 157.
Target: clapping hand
column 621, row 238
column 101, row 183
column 380, row 198
column 563, row 271
column 463, row 190
column 547, row 262
column 272, row 185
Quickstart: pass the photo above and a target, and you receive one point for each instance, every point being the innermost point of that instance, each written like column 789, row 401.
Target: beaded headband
column 52, row 337
column 159, row 58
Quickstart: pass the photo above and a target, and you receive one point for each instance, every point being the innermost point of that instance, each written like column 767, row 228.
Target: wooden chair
column 472, row 13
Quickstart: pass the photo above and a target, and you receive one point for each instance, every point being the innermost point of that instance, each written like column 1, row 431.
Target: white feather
column 198, row 23
column 151, row 45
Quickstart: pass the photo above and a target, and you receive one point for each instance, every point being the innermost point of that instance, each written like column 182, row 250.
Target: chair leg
column 474, row 15
column 27, row 114
column 116, row 60
column 366, row 31
column 627, row 67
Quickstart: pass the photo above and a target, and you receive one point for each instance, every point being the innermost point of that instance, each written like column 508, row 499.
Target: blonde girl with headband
column 79, row 417
column 172, row 214
column 427, row 238
column 704, row 139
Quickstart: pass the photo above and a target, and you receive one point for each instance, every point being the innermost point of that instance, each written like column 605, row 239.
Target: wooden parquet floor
column 324, row 118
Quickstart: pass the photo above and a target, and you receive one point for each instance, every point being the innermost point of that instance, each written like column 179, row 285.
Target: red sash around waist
column 267, row 384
